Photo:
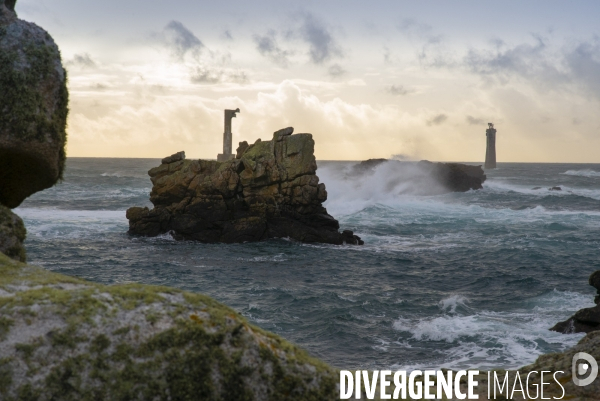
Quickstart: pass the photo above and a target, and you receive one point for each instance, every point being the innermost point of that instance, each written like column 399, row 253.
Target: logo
column 580, row 369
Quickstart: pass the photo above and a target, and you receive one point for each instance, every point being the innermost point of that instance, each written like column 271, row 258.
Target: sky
column 405, row 79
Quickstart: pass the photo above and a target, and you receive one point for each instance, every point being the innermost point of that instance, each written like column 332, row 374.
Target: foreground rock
column 584, row 320
column 12, row 234
column 270, row 190
column 33, row 108
column 63, row 338
column 425, row 177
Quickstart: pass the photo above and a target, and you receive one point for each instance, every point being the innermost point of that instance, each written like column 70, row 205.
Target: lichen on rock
column 270, row 190
column 33, row 109
column 69, row 339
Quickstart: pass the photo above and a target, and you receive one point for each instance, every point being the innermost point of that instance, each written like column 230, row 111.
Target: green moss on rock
column 94, row 342
column 33, row 111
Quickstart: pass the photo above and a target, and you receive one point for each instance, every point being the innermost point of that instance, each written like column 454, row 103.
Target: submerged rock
column 62, row 338
column 12, row 235
column 270, row 191
column 584, row 320
column 33, row 108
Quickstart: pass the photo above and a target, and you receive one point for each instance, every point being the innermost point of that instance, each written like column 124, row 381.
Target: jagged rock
column 174, row 158
column 278, row 135
column 555, row 189
column 428, row 178
column 62, row 338
column 594, row 281
column 12, row 234
column 584, row 320
column 271, row 191
column 241, row 149
column 33, row 109
column 455, row 177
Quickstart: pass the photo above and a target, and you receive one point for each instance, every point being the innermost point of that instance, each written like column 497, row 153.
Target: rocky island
column 269, row 190
column 425, row 177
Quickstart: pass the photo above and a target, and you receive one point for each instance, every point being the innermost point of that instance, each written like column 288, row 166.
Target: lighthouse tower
column 490, row 152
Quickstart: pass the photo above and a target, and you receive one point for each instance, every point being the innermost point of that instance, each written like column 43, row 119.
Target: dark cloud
column 437, row 120
column 227, row 34
column 322, row 45
column 82, row 60
column 583, row 63
column 419, row 30
column 534, row 62
column 181, row 40
column 336, row 70
column 268, row 47
column 206, row 75
column 399, row 90
column 430, row 50
column 573, row 68
column 475, row 121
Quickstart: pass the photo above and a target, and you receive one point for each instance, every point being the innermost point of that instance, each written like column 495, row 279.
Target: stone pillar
column 490, row 152
column 227, row 137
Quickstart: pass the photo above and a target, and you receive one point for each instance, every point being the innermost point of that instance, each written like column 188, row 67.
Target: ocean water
column 459, row 280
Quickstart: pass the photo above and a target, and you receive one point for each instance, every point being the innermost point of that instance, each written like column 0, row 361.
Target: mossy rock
column 33, row 109
column 62, row 338
column 12, row 234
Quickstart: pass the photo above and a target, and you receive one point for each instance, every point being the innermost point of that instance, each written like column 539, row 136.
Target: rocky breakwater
column 33, row 115
column 270, row 190
column 584, row 320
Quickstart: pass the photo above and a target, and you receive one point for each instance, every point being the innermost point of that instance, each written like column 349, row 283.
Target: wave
column 487, row 339
column 120, row 175
column 70, row 224
column 583, row 173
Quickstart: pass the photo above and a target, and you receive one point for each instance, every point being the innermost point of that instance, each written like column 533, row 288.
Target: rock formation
column 270, row 190
column 62, row 338
column 12, row 234
column 33, row 108
column 33, row 113
column 427, row 178
column 584, row 320
column 455, row 177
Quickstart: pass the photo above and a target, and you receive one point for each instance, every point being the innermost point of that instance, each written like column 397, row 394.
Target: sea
column 457, row 280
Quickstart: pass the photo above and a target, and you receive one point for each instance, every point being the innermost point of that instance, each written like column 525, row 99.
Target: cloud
column 437, row 120
column 475, row 121
column 336, row 70
column 401, row 157
column 535, row 63
column 420, row 30
column 181, row 40
column 430, row 50
column 227, row 35
column 399, row 90
column 207, row 75
column 267, row 46
column 83, row 60
column 583, row 62
column 322, row 45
